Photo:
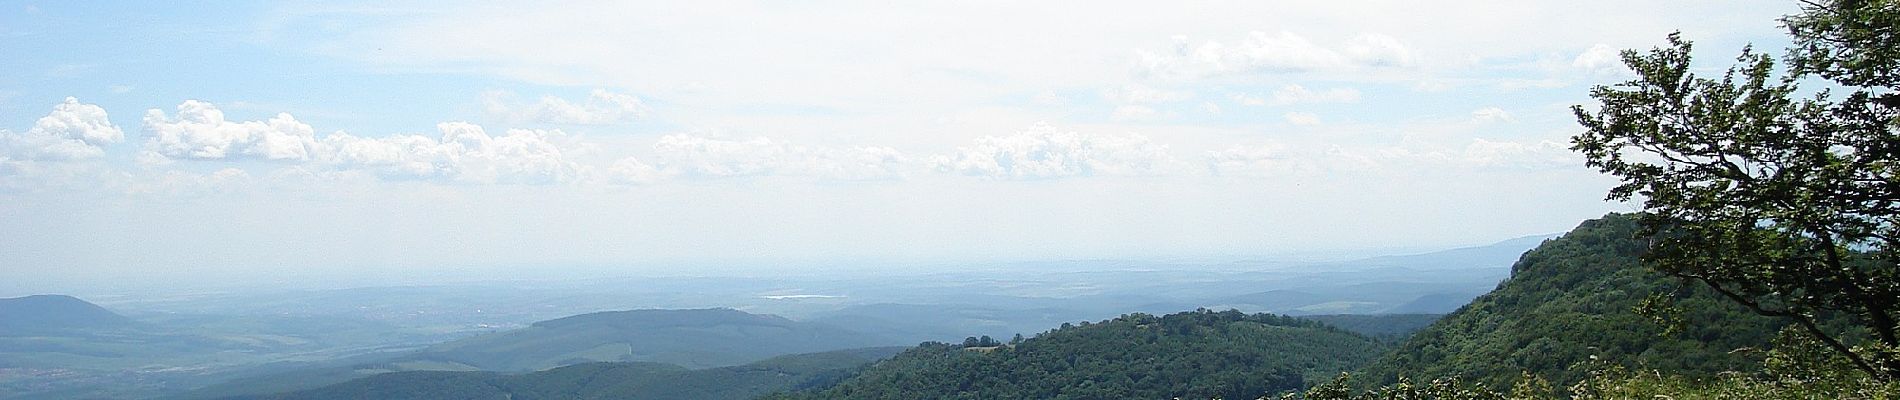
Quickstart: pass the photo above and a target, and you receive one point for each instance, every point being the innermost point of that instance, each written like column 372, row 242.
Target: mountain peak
column 55, row 312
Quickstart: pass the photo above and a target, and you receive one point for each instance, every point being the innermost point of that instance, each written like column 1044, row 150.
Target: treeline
column 1198, row 354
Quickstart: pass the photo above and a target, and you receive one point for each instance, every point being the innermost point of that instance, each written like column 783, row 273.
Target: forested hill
column 1569, row 299
column 1199, row 355
column 634, row 380
column 690, row 338
column 43, row 313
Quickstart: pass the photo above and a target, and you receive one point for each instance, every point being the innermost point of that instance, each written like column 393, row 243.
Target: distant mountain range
column 1502, row 253
column 685, row 339
column 624, row 380
column 689, row 338
column 1570, row 300
column 46, row 313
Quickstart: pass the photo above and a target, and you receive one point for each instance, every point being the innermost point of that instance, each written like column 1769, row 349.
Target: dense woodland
column 1199, row 354
column 1574, row 299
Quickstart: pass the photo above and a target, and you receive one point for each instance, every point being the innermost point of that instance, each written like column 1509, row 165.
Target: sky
column 171, row 143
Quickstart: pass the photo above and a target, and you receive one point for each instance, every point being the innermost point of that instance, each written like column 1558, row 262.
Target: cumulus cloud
column 631, row 171
column 72, row 131
column 464, row 153
column 1271, row 159
column 1044, row 152
column 1264, row 52
column 1378, row 50
column 201, row 132
column 701, row 156
column 601, row 107
column 461, row 152
column 1600, row 60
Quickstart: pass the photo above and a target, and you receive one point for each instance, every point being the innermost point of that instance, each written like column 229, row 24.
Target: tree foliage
column 1571, row 300
column 1199, row 354
column 1786, row 203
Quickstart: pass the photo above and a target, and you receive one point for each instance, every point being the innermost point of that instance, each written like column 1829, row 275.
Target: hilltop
column 42, row 313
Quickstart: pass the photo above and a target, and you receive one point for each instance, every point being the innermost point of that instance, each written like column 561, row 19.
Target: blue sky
column 331, row 139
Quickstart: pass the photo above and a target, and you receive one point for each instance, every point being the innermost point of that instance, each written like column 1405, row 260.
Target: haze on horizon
column 237, row 142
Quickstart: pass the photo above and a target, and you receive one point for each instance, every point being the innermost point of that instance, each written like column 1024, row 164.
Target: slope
column 690, row 338
column 1199, row 354
column 45, row 313
column 635, row 380
column 1571, row 299
column 700, row 338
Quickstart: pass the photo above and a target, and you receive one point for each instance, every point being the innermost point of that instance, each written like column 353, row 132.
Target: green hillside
column 1200, row 354
column 1573, row 298
column 635, row 380
column 1389, row 327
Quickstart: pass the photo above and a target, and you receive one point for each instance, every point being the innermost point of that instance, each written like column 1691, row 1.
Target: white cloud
column 462, row 153
column 631, row 171
column 72, row 131
column 1378, row 50
column 1601, row 60
column 201, row 132
column 1302, row 118
column 700, row 156
column 1271, row 159
column 1272, row 53
column 1044, row 152
column 465, row 153
column 1491, row 114
column 601, row 107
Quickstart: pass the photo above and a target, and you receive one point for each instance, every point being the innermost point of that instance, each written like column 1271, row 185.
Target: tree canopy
column 1786, row 201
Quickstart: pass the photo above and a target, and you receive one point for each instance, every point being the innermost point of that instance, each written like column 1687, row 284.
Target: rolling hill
column 689, row 338
column 627, row 380
column 1571, row 299
column 46, row 313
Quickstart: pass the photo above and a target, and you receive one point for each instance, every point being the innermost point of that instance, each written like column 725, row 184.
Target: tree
column 1785, row 203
